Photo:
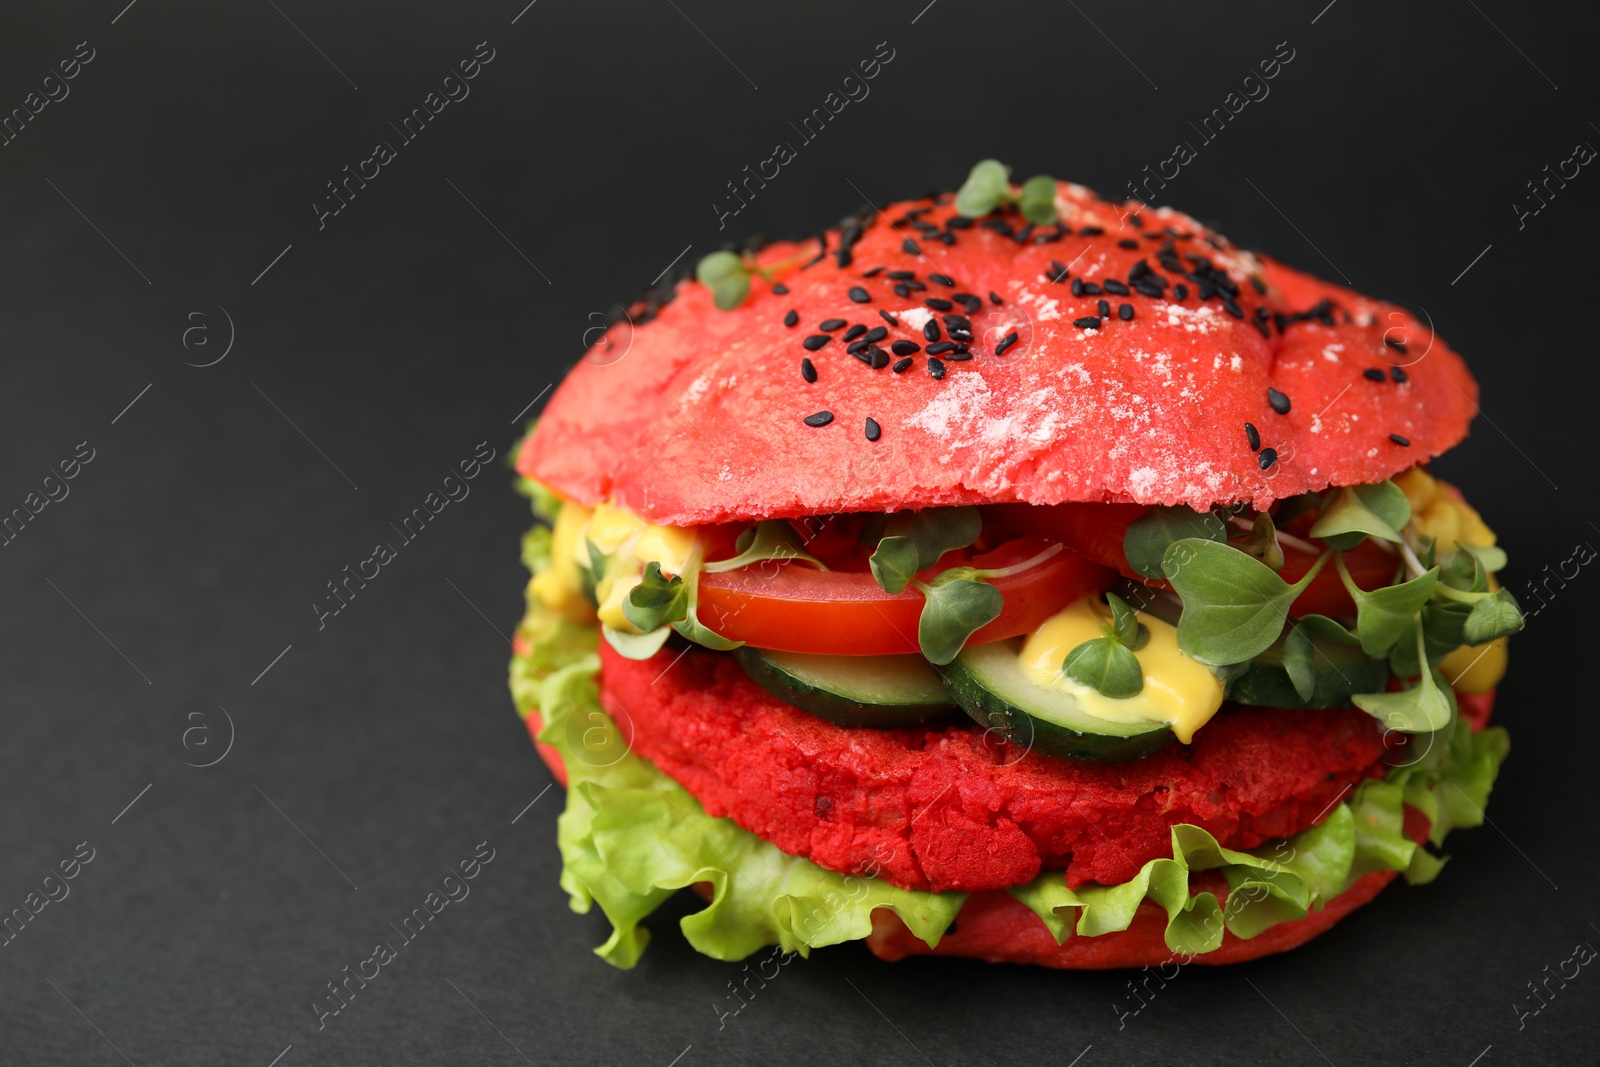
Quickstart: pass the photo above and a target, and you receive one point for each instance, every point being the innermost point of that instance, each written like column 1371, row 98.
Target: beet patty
column 950, row 809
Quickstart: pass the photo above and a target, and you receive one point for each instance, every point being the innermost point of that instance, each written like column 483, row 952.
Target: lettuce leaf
column 631, row 837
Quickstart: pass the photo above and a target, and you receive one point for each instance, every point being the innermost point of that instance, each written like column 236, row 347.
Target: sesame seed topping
column 792, row 318
column 1267, row 458
column 1088, row 322
column 936, row 367
column 853, row 332
column 1403, row 442
column 808, row 370
column 1104, row 307
column 1279, row 402
column 1394, row 343
column 780, row 289
column 859, row 295
column 901, row 275
column 876, row 334
column 873, row 273
column 874, row 431
column 1252, row 435
column 831, row 324
column 901, row 365
column 994, row 297
column 821, row 418
column 1373, row 374
column 1127, row 243
column 942, row 279
column 1115, row 287
column 1125, row 312
column 973, row 304
column 930, row 330
column 890, row 319
column 1180, row 292
column 941, row 347
column 816, row 341
column 879, row 358
column 1398, row 375
column 939, row 304
column 910, row 247
column 1005, row 342
column 905, row 348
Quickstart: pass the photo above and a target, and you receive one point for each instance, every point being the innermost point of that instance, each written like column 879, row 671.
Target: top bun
column 688, row 414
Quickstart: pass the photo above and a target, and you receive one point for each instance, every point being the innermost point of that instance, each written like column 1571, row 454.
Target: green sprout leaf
column 1234, row 606
column 1150, row 535
column 1125, row 625
column 1037, row 201
column 917, row 539
column 988, row 185
column 691, row 627
column 1384, row 615
column 1303, row 660
column 1443, row 631
column 1421, row 709
column 774, row 539
column 727, row 275
column 1263, row 542
column 656, row 600
column 1107, row 665
column 1355, row 512
column 957, row 607
column 636, row 646
column 1494, row 616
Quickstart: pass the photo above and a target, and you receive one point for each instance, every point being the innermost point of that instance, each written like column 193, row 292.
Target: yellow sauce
column 1178, row 690
column 613, row 531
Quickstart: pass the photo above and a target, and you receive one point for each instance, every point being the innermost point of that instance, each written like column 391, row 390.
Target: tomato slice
column 793, row 607
column 1095, row 531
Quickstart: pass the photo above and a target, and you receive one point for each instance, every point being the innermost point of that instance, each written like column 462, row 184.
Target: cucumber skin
column 1265, row 685
column 837, row 709
column 1034, row 734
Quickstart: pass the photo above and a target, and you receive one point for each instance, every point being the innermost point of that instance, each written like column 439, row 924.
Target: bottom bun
column 994, row 926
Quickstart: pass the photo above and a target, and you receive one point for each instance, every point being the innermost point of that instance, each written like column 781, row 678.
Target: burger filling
column 1084, row 633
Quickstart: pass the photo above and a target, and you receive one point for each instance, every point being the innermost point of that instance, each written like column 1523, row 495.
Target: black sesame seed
column 994, row 297
column 880, row 358
column 958, row 222
column 973, row 304
column 1115, row 287
column 936, row 367
column 1258, row 285
column 821, row 418
column 874, row 431
column 830, row 324
column 853, row 332
column 780, row 289
column 1091, row 289
column 890, row 319
column 1252, row 435
column 1397, row 374
column 1373, row 374
column 901, row 275
column 1125, row 312
column 960, row 352
column 1136, row 220
column 791, row 318
column 808, row 370
column 1233, row 307
column 902, row 290
column 1267, row 458
column 1005, row 342
column 859, row 295
column 905, row 348
column 1128, row 244
column 939, row 348
column 876, row 334
column 901, row 365
column 816, row 341
column 1397, row 345
column 915, row 286
column 910, row 247
column 938, row 304
column 1279, row 402
column 1180, row 292
column 943, row 280
column 1403, row 442
column 1104, row 307
column 1077, row 287
column 873, row 273
column 930, row 330
column 1088, row 322
column 859, row 350
column 1091, row 231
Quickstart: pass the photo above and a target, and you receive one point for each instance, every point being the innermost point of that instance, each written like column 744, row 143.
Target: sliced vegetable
column 796, row 608
column 880, row 691
column 990, row 685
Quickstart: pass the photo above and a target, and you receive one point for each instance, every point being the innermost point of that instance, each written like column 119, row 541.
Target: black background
column 409, row 330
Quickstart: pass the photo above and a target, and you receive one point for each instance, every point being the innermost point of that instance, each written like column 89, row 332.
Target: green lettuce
column 631, row 837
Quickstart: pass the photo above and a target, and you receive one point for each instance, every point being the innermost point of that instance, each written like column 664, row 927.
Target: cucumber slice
column 878, row 691
column 989, row 684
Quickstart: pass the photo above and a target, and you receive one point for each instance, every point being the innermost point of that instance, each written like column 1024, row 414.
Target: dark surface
column 408, row 330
